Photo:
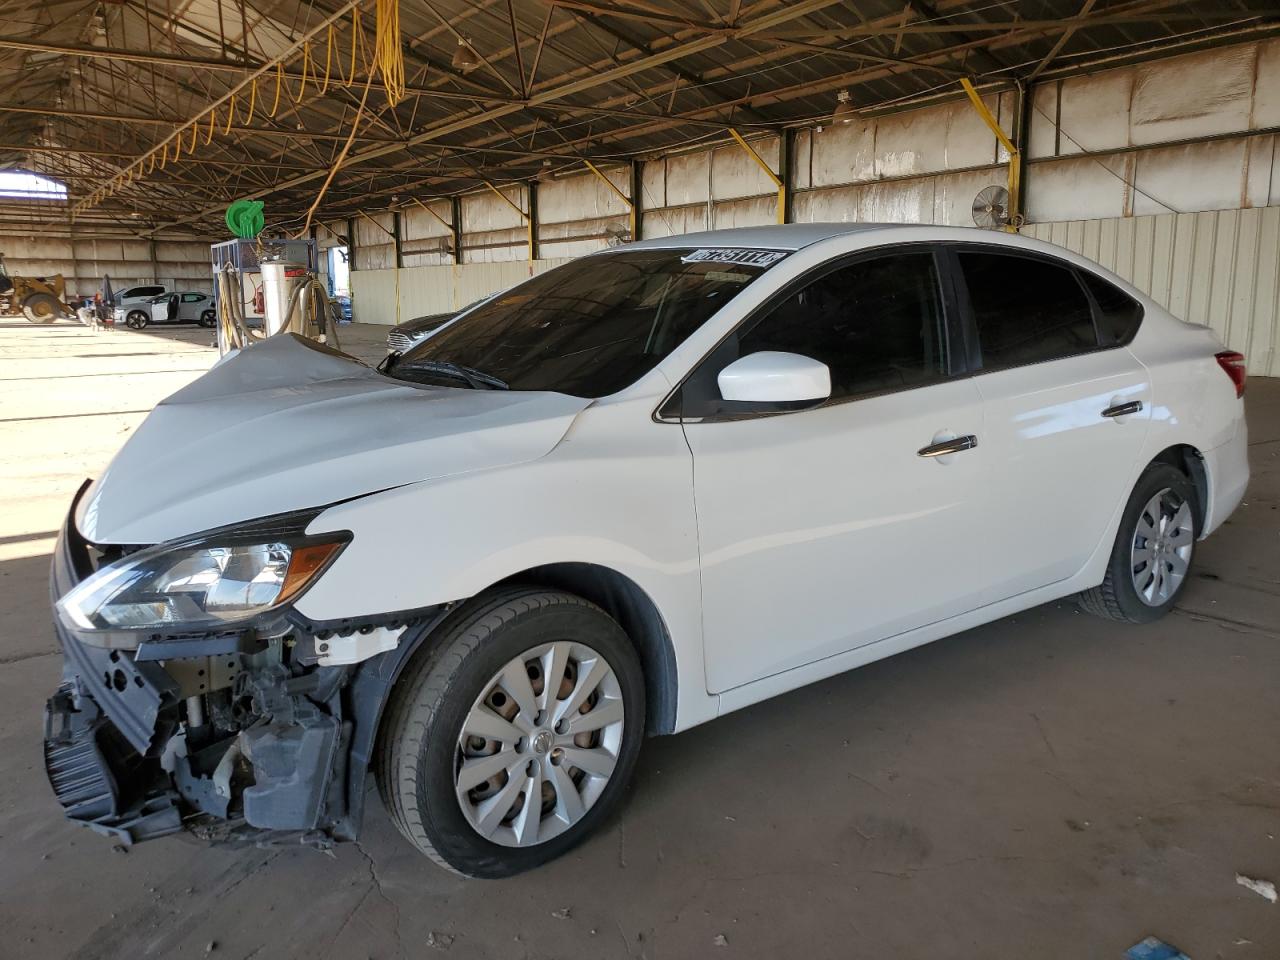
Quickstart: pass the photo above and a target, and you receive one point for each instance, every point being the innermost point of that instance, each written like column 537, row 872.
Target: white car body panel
column 824, row 530
column 189, row 311
column 777, row 550
column 337, row 429
column 1048, row 454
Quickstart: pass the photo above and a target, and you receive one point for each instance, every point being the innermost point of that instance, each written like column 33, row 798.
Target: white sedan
column 183, row 306
column 632, row 494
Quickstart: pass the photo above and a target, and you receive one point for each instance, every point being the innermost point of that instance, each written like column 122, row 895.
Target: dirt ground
column 1046, row 786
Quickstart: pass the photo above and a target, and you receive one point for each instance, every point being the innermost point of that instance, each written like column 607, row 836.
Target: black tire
column 41, row 308
column 208, row 318
column 424, row 717
column 136, row 319
column 1116, row 598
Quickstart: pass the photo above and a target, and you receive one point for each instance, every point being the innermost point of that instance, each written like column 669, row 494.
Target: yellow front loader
column 39, row 299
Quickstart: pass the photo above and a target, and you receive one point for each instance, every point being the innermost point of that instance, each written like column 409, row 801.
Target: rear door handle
column 1123, row 409
column 946, row 447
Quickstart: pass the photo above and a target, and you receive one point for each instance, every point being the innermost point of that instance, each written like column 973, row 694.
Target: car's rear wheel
column 513, row 738
column 136, row 319
column 208, row 318
column 1154, row 547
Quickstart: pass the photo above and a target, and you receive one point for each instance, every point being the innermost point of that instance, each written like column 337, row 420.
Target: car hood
column 289, row 424
column 422, row 324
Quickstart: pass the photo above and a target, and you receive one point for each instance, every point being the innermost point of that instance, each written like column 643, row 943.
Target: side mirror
column 773, row 377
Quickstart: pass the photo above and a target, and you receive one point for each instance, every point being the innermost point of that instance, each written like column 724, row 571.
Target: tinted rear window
column 1026, row 310
column 1118, row 313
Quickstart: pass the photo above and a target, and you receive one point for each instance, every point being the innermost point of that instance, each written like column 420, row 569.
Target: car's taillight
column 1232, row 364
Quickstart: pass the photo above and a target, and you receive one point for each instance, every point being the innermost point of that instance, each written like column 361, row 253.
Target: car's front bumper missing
column 228, row 735
column 98, row 778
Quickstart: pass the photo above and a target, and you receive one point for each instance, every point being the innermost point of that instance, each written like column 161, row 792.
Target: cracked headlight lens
column 197, row 586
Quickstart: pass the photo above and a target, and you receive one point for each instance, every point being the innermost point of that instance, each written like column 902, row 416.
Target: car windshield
column 588, row 328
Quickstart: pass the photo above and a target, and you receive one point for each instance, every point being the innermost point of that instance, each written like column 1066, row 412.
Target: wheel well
column 1190, row 461
column 637, row 614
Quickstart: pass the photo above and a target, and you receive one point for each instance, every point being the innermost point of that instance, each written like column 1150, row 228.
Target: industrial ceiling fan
column 991, row 207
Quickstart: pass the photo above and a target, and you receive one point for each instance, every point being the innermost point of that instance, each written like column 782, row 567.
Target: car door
column 826, row 528
column 189, row 309
column 1066, row 411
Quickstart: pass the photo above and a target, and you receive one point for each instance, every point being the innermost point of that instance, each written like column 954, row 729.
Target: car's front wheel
column 1152, row 555
column 136, row 319
column 208, row 318
column 511, row 740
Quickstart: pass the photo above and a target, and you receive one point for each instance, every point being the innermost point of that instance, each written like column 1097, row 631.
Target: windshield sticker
column 724, row 276
column 746, row 258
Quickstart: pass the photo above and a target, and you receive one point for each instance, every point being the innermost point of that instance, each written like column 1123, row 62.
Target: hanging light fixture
column 845, row 110
column 465, row 57
column 545, row 175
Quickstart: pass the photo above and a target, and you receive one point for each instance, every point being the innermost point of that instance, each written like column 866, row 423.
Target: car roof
column 781, row 236
column 796, row 236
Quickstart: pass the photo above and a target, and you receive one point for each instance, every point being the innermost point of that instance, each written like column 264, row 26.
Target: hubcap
column 539, row 744
column 1162, row 546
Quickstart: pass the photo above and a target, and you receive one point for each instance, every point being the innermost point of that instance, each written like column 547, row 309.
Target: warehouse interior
column 1044, row 785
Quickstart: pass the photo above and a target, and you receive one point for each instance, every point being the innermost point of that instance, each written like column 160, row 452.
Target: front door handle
column 1123, row 409
column 955, row 445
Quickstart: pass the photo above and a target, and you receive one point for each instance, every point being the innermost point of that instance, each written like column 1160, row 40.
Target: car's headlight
column 215, row 584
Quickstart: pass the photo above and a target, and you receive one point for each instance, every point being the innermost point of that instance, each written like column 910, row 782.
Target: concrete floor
column 1047, row 786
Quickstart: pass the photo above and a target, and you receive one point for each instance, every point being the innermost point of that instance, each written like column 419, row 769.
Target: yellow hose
column 328, row 59
column 253, row 100
column 387, row 51
column 355, row 126
column 279, row 80
column 306, row 61
column 231, row 115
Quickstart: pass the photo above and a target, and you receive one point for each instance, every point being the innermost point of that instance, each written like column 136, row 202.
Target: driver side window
column 877, row 323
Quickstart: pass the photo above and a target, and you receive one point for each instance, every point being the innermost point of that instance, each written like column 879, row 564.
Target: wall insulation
column 179, row 264
column 394, row 296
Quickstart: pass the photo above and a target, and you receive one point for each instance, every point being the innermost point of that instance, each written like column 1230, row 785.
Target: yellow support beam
column 631, row 207
column 443, row 222
column 777, row 181
column 1015, row 184
column 528, row 221
column 376, row 224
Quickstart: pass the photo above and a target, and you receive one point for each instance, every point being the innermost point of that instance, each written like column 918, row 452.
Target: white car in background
column 184, row 306
column 634, row 493
column 133, row 302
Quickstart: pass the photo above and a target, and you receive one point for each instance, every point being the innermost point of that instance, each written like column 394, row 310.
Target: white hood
column 288, row 424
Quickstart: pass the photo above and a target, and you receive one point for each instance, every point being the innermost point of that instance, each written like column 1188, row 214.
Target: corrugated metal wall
column 419, row 291
column 1220, row 268
column 82, row 261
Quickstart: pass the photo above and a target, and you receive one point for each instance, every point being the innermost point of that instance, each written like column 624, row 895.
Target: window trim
column 964, row 304
column 957, row 342
column 1097, row 309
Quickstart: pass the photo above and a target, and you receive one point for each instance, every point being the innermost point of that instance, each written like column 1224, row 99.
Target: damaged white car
column 636, row 492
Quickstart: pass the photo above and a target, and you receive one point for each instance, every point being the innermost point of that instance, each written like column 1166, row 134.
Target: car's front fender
column 617, row 493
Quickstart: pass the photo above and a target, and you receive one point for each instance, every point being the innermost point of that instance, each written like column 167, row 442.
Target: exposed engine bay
column 232, row 736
